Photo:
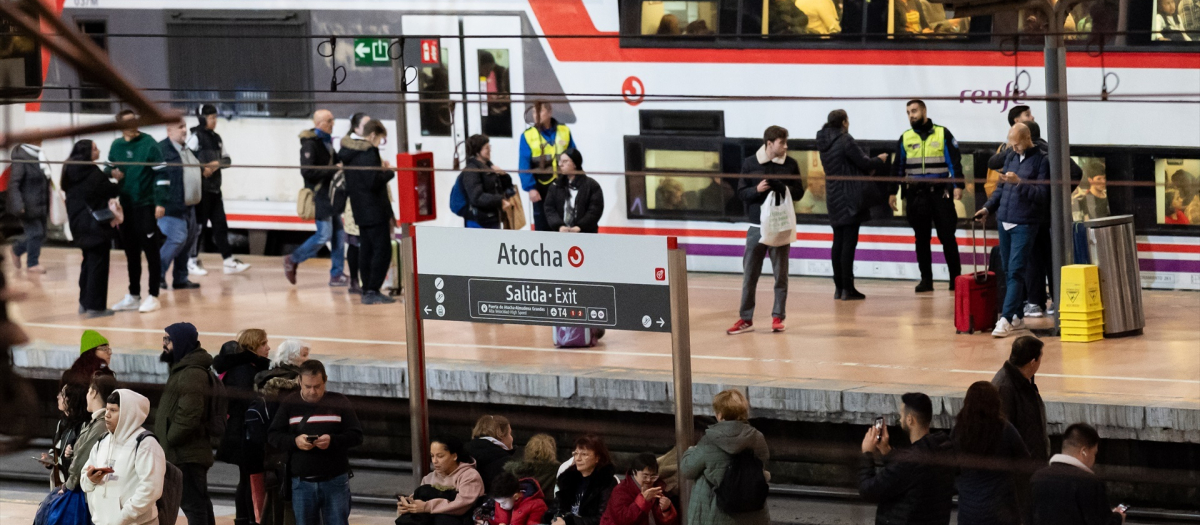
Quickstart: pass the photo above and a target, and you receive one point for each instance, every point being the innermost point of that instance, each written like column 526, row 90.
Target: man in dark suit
column 1067, row 492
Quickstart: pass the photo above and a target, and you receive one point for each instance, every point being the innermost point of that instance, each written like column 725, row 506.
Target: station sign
column 617, row 282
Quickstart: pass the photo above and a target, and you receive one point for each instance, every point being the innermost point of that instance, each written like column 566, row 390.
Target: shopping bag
column 66, row 508
column 58, row 207
column 777, row 221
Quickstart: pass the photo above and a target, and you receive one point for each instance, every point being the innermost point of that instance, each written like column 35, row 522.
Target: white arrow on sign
column 426, row 309
column 661, row 322
column 361, row 50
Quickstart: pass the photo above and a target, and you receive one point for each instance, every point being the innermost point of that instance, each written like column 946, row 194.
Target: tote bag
column 777, row 220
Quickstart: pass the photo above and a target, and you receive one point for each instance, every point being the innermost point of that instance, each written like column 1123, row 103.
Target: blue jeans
column 180, row 232
column 35, row 236
column 321, row 502
column 327, row 230
column 1015, row 247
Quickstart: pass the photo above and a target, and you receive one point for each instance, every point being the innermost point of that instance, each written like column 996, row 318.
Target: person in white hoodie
column 122, row 479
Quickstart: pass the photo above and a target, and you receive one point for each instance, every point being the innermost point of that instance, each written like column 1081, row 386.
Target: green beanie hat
column 91, row 339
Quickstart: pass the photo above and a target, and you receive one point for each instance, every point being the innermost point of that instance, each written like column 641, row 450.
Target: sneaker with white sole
column 130, row 302
column 151, row 304
column 235, row 266
column 1003, row 328
column 1034, row 311
column 195, row 267
column 1018, row 324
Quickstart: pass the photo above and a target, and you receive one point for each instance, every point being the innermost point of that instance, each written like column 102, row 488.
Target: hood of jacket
column 351, row 149
column 184, row 339
column 761, row 156
column 827, row 136
column 531, row 489
column 731, row 437
column 484, row 450
column 232, row 356
column 284, row 371
column 198, row 357
column 74, row 174
column 134, row 410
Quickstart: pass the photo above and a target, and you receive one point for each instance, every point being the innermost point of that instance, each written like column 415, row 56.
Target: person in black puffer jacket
column 492, row 447
column 367, row 191
column 487, row 189
column 915, row 485
column 239, row 362
column 850, row 202
column 575, row 201
column 89, row 189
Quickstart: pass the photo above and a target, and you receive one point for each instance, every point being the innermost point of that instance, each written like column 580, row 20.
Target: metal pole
column 399, row 73
column 418, row 402
column 681, row 362
column 1059, row 142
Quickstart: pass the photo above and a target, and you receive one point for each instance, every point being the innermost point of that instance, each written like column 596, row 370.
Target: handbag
column 58, row 206
column 777, row 220
column 306, row 208
column 68, row 507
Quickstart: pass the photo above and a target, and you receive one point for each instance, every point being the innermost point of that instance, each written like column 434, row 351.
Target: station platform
column 842, row 362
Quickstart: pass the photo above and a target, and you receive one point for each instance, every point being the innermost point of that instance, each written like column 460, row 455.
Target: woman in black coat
column 88, row 192
column 584, row 488
column 238, row 363
column 849, row 201
column 487, row 188
column 367, row 191
column 575, row 201
column 990, row 452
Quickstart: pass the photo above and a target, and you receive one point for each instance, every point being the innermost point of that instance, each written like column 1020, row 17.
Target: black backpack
column 744, row 487
column 172, row 493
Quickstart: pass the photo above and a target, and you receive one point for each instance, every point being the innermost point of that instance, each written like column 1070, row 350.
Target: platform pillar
column 681, row 364
column 414, row 342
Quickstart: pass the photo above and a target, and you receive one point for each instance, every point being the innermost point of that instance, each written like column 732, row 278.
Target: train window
column 1178, row 191
column 791, row 17
column 97, row 30
column 437, row 116
column 812, row 174
column 496, row 114
column 1176, row 21
column 919, row 18
column 1084, row 18
column 1090, row 198
column 685, row 192
column 675, row 18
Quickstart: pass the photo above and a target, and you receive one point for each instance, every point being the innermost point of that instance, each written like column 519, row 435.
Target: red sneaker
column 776, row 324
column 741, row 326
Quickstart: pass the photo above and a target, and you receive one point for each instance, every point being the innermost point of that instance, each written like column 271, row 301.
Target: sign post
column 681, row 362
column 418, row 402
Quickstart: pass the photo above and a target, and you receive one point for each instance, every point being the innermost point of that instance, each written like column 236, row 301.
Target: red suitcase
column 975, row 294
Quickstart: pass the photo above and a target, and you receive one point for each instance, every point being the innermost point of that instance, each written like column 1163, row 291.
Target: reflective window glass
column 1178, row 191
column 437, row 117
column 1090, row 198
column 496, row 113
column 679, row 18
column 1176, row 21
column 924, row 19
column 678, row 192
column 812, row 174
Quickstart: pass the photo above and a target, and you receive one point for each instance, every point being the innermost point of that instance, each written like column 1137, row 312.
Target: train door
column 435, row 112
column 493, row 72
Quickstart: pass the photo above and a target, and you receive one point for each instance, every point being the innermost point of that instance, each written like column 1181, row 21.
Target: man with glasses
column 181, row 422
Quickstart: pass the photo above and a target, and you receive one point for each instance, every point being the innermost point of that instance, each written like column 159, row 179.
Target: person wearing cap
column 180, row 421
column 208, row 147
column 574, row 202
column 94, row 355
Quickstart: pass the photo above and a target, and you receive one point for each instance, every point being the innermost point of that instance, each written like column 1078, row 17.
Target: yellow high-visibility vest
column 539, row 147
column 925, row 159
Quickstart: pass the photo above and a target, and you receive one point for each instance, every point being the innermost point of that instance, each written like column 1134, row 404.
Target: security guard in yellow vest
column 541, row 145
column 925, row 153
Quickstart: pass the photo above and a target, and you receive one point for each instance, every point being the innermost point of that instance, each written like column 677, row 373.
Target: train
column 665, row 88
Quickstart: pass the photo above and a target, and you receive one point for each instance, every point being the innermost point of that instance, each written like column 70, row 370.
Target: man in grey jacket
column 29, row 200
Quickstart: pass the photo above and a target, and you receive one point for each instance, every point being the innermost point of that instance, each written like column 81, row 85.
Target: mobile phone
column 42, row 461
column 105, row 470
column 400, row 497
column 879, row 429
column 311, row 438
column 1122, row 507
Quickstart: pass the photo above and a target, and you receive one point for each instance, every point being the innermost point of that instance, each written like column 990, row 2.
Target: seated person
column 784, row 18
column 813, row 200
column 1174, row 210
column 640, row 497
column 449, row 493
column 669, row 25
column 585, row 486
column 668, row 195
column 698, row 28
column 517, row 502
column 909, row 18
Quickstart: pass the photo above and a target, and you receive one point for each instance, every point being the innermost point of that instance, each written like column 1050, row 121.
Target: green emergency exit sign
column 371, row 52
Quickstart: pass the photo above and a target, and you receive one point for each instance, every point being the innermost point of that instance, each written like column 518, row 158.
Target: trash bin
column 1112, row 246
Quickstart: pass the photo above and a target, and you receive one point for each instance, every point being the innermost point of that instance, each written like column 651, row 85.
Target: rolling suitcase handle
column 979, row 278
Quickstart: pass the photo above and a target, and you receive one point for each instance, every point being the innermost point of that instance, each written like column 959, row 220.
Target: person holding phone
column 317, row 429
column 90, row 198
column 449, row 492
column 638, row 498
column 123, row 477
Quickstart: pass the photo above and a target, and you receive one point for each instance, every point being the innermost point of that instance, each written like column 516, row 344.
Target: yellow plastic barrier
column 1081, row 313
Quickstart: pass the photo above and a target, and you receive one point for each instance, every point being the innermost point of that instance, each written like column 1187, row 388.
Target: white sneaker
column 1003, row 328
column 1050, row 310
column 130, row 302
column 1033, row 310
column 235, row 266
column 1018, row 324
column 195, row 267
column 151, row 304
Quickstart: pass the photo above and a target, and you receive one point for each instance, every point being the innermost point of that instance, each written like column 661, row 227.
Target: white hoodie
column 127, row 496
